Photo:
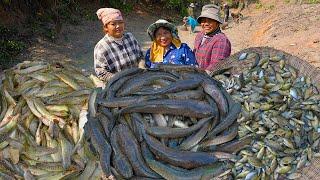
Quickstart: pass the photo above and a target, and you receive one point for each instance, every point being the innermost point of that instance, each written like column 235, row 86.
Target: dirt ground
column 294, row 29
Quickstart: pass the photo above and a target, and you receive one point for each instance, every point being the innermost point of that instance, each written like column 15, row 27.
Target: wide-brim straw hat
column 161, row 23
column 210, row 11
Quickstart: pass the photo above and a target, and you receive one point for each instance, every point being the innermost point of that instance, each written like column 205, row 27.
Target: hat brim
column 219, row 20
column 151, row 29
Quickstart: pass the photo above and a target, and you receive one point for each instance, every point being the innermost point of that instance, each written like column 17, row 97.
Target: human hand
column 141, row 64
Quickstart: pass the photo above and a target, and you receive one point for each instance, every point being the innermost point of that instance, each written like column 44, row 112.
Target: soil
column 291, row 28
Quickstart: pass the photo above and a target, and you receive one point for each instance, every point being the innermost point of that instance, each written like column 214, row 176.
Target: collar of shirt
column 171, row 47
column 209, row 35
column 117, row 40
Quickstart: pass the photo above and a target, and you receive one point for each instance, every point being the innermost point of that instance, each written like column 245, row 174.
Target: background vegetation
column 22, row 20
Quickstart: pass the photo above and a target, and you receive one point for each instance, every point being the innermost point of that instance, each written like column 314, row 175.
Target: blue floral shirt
column 183, row 55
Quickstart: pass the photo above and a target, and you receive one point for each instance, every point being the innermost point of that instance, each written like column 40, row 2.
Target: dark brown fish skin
column 214, row 91
column 130, row 147
column 226, row 136
column 189, row 108
column 120, row 75
column 235, row 145
column 227, row 121
column 138, row 123
column 106, row 120
column 187, row 94
column 116, row 174
column 195, row 138
column 212, row 88
column 214, row 106
column 119, row 160
column 184, row 159
column 92, row 105
column 174, row 87
column 173, row 172
column 111, row 92
column 101, row 145
column 146, row 78
column 125, row 101
column 167, row 132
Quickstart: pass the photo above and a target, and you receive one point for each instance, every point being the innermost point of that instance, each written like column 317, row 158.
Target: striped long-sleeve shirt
column 113, row 55
column 211, row 49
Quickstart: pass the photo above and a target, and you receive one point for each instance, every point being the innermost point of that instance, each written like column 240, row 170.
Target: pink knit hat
column 109, row 14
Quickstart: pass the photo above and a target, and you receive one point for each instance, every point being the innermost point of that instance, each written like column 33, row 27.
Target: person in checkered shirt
column 117, row 50
column 211, row 45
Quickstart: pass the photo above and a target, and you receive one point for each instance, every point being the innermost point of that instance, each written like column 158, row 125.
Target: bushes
column 10, row 46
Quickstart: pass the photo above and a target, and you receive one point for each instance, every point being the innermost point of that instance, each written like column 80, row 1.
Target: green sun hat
column 161, row 23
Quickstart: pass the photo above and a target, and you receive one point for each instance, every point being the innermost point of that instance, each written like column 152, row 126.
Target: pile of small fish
column 281, row 112
column 172, row 122
column 43, row 112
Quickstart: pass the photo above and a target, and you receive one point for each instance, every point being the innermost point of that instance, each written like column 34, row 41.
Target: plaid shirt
column 111, row 56
column 211, row 49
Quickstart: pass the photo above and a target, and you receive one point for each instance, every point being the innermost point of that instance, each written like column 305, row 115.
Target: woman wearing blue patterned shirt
column 166, row 46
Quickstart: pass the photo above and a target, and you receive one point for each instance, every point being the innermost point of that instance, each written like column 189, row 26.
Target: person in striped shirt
column 211, row 45
column 117, row 50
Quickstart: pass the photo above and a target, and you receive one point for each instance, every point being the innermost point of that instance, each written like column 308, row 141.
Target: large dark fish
column 197, row 94
column 174, row 87
column 226, row 136
column 227, row 121
column 195, row 138
column 173, row 172
column 119, row 160
column 190, row 108
column 107, row 120
column 130, row 147
column 119, row 75
column 125, row 101
column 101, row 145
column 236, row 145
column 184, row 159
column 146, row 78
column 215, row 92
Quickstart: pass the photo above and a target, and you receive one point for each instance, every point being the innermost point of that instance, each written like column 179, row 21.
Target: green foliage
column 126, row 8
column 173, row 4
column 7, row 2
column 89, row 14
column 304, row 1
column 184, row 12
column 179, row 5
column 10, row 46
column 313, row 1
column 259, row 5
column 270, row 7
column 229, row 2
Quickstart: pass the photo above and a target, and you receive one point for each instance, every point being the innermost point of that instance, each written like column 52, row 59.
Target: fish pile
column 281, row 112
column 172, row 122
column 43, row 112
